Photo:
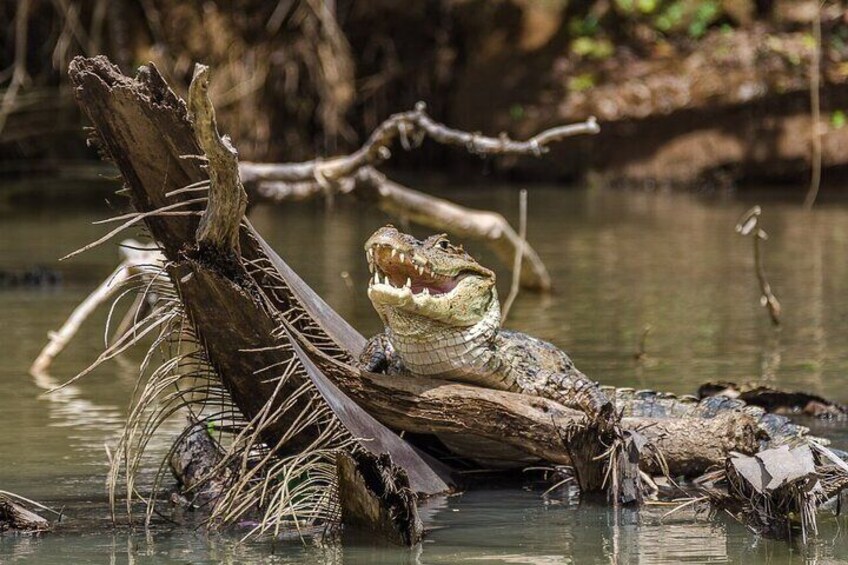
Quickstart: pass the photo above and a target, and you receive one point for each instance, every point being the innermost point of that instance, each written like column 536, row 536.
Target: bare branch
column 423, row 209
column 412, row 127
column 749, row 226
column 467, row 223
column 356, row 173
column 516, row 269
column 137, row 259
column 219, row 226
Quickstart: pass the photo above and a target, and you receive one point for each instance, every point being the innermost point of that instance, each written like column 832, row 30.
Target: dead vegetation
column 258, row 359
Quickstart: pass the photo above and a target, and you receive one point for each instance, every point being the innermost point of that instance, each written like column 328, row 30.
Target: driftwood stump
column 375, row 495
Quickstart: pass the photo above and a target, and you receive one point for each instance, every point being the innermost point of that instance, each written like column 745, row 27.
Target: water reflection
column 620, row 261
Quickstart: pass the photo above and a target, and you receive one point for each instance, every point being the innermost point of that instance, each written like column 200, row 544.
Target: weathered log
column 690, row 446
column 534, row 425
column 16, row 518
column 195, row 462
column 374, row 495
column 145, row 129
column 776, row 400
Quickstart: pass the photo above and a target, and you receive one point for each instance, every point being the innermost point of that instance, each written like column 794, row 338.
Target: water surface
column 619, row 260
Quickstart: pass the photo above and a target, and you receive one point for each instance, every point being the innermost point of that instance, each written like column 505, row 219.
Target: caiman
column 442, row 319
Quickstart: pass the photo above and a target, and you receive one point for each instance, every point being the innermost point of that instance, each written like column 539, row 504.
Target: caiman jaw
column 400, row 271
column 405, row 279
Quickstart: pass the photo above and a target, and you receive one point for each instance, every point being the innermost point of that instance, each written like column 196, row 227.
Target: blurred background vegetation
column 688, row 92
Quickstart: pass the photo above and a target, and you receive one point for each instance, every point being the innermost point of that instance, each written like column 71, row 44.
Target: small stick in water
column 519, row 255
column 641, row 353
column 749, row 225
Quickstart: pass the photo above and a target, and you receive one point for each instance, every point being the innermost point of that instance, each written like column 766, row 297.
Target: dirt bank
column 686, row 91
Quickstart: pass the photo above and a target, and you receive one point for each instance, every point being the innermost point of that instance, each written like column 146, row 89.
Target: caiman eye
column 444, row 244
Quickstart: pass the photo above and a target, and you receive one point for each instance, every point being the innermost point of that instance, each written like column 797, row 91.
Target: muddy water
column 621, row 261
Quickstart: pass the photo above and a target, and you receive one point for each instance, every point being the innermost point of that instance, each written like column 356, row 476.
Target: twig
column 815, row 107
column 641, row 352
column 219, row 226
column 749, row 224
column 516, row 269
column 134, row 261
column 467, row 223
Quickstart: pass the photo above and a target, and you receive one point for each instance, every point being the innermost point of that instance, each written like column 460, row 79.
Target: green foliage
column 592, row 48
column 705, row 14
column 692, row 17
column 838, row 119
column 581, row 82
column 584, row 27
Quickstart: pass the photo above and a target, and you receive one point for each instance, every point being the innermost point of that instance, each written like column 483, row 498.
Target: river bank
column 687, row 93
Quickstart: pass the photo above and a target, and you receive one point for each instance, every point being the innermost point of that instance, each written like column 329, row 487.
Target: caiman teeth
column 408, row 282
column 370, row 267
column 420, row 270
column 402, row 258
column 394, row 252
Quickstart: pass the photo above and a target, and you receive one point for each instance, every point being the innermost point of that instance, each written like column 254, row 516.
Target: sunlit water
column 620, row 261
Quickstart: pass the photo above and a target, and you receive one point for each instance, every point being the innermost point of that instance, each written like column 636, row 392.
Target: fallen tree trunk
column 532, row 424
column 133, row 118
column 145, row 129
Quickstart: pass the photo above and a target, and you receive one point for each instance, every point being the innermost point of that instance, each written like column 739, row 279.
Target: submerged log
column 195, row 462
column 374, row 495
column 14, row 517
column 776, row 400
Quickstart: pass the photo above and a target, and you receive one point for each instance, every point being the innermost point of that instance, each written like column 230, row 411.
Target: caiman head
column 431, row 279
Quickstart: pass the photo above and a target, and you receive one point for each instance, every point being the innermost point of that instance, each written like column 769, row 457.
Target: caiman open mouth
column 400, row 270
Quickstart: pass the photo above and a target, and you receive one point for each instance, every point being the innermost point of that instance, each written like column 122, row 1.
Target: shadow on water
column 620, row 261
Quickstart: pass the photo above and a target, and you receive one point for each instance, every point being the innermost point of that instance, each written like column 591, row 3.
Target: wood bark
column 219, row 226
column 535, row 425
column 195, row 463
column 374, row 495
column 15, row 518
column 145, row 130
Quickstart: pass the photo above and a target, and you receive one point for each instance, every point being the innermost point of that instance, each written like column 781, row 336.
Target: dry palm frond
column 273, row 486
column 274, row 490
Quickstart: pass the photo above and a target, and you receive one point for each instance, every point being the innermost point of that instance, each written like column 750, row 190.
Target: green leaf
column 838, row 119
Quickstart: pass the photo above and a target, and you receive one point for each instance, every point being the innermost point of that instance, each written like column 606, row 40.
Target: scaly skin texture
column 442, row 318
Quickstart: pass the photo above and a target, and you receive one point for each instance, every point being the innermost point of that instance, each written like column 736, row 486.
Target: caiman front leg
column 574, row 390
column 378, row 355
